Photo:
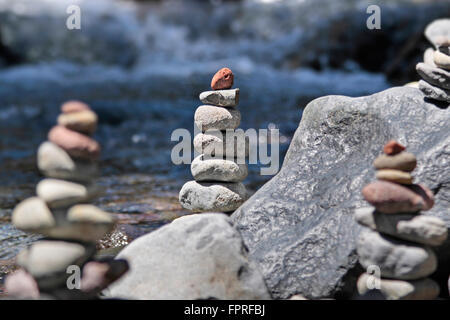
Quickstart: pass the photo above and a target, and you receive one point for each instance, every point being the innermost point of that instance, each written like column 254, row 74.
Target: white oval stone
column 60, row 193
column 217, row 143
column 55, row 162
column 216, row 118
column 204, row 169
column 32, row 214
column 223, row 98
column 441, row 60
column 212, row 196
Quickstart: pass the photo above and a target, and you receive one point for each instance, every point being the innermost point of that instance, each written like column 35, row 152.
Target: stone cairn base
column 217, row 172
column 60, row 212
column 435, row 70
column 397, row 239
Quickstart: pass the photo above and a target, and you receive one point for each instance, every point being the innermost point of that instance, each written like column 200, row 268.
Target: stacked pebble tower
column 59, row 212
column 397, row 238
column 218, row 175
column 435, row 70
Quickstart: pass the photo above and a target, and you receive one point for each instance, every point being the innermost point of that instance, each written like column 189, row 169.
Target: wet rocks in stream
column 61, row 213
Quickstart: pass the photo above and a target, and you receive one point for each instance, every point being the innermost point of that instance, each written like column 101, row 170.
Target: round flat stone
column 32, row 214
column 204, row 169
column 223, row 98
column 55, row 162
column 76, row 144
column 394, row 176
column 423, row 289
column 390, row 197
column 434, row 92
column 216, row 118
column 81, row 121
column 403, row 161
column 396, row 259
column 228, row 144
column 74, row 106
column 60, row 193
column 212, row 196
column 435, row 76
column 441, row 60
column 415, row 228
column 437, row 29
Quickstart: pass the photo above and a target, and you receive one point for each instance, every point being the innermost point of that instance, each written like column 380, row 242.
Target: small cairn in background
column 61, row 214
column 435, row 70
column 397, row 238
column 220, row 168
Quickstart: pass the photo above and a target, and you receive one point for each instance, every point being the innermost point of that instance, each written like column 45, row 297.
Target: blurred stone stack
column 220, row 167
column 435, row 70
column 396, row 243
column 61, row 214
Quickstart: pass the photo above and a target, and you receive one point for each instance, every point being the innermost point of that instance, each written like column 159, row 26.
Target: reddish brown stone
column 76, row 144
column 388, row 197
column 393, row 147
column 21, row 285
column 223, row 79
column 74, row 106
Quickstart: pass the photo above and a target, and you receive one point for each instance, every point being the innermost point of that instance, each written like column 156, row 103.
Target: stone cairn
column 59, row 212
column 435, row 70
column 220, row 168
column 397, row 239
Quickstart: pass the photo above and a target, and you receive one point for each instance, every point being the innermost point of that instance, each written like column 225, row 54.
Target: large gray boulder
column 195, row 257
column 300, row 226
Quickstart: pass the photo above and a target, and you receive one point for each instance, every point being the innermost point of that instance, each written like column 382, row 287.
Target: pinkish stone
column 393, row 147
column 390, row 197
column 74, row 106
column 425, row 193
column 75, row 144
column 21, row 285
column 223, row 79
column 99, row 275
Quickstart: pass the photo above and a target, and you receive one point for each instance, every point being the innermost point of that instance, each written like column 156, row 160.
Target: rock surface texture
column 300, row 226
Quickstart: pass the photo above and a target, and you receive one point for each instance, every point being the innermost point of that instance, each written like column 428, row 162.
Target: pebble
column 204, row 169
column 442, row 41
column 441, row 60
column 74, row 106
column 99, row 275
column 76, row 144
column 21, row 285
column 47, row 260
column 216, row 118
column 390, row 197
column 423, row 289
column 403, row 161
column 428, row 57
column 32, row 214
column 394, row 176
column 223, row 79
column 416, row 228
column 392, row 148
column 215, row 143
column 60, row 193
column 55, row 162
column 437, row 29
column 434, row 92
column 426, row 194
column 212, row 196
column 81, row 121
column 223, row 98
column 434, row 75
column 396, row 259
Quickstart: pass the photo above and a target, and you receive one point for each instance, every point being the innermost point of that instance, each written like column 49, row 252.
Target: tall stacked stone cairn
column 220, row 168
column 61, row 214
column 397, row 241
column 435, row 70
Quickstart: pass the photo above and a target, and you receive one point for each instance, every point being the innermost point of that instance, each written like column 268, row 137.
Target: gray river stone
column 428, row 57
column 195, row 257
column 210, row 169
column 434, row 92
column 300, row 225
column 216, row 118
column 434, row 75
column 212, row 196
column 396, row 259
column 231, row 144
column 416, row 228
column 223, row 98
column 437, row 29
column 55, row 162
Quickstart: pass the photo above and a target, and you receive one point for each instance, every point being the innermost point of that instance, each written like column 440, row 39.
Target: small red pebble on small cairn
column 393, row 147
column 223, row 79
